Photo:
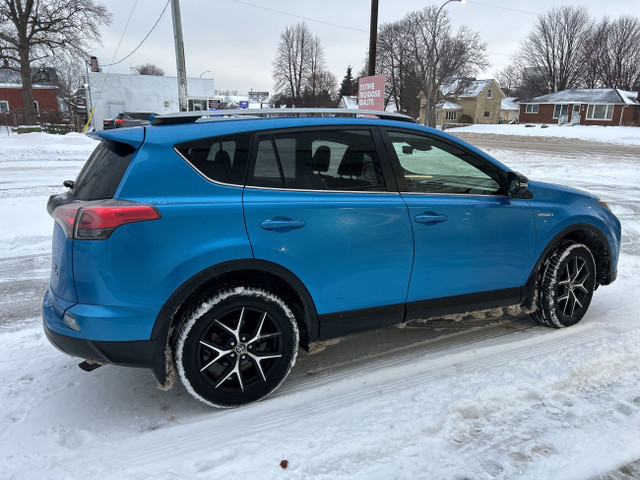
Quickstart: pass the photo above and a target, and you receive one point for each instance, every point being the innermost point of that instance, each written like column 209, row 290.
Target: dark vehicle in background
column 128, row 119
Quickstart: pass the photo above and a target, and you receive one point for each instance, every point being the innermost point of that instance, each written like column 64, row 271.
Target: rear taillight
column 97, row 220
column 120, row 120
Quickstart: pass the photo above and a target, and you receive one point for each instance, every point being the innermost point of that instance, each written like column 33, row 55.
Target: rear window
column 140, row 115
column 101, row 175
column 223, row 159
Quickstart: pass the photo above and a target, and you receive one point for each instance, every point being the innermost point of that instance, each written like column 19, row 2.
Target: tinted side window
column 433, row 166
column 101, row 175
column 223, row 159
column 344, row 160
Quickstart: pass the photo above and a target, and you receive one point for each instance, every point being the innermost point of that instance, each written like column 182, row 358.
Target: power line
column 144, row 39
column 300, row 16
column 503, row 8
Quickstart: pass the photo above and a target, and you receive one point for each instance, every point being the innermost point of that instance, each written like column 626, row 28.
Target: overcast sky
column 235, row 41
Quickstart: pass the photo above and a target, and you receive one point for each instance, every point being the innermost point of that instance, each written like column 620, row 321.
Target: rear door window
column 101, row 175
column 222, row 159
column 338, row 160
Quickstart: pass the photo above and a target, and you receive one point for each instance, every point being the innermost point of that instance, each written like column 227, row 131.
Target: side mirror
column 69, row 184
column 517, row 184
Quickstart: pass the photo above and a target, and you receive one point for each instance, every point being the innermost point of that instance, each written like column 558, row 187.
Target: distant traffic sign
column 257, row 97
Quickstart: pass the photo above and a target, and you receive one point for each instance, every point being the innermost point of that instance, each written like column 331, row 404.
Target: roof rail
column 191, row 117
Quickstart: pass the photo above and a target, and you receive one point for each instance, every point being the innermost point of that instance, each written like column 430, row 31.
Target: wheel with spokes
column 565, row 286
column 237, row 347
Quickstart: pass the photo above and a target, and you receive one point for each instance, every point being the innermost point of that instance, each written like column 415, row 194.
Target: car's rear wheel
column 565, row 286
column 236, row 347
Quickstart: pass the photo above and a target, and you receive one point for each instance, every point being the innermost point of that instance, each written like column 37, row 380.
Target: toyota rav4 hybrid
column 215, row 247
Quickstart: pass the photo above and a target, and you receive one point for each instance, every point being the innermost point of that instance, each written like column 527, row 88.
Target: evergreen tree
column 349, row 85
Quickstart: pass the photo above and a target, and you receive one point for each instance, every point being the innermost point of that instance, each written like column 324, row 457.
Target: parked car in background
column 128, row 119
column 217, row 246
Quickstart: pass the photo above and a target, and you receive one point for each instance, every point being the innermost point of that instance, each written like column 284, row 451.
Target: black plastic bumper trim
column 138, row 353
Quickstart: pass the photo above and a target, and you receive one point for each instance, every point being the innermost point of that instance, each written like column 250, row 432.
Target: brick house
column 474, row 101
column 595, row 106
column 45, row 94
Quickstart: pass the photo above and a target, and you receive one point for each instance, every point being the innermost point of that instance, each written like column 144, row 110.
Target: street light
column 432, row 79
column 206, row 71
column 442, row 6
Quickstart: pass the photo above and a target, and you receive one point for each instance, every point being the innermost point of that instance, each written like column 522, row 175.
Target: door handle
column 282, row 224
column 430, row 218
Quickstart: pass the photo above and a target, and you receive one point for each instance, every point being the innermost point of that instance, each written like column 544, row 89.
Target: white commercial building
column 112, row 94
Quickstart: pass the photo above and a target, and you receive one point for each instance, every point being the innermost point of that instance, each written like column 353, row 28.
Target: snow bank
column 592, row 133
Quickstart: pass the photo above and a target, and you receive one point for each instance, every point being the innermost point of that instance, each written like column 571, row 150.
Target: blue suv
column 214, row 247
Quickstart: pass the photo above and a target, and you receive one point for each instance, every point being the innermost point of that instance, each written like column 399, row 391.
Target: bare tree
column 299, row 69
column 148, row 69
column 393, row 60
column 556, row 46
column 291, row 63
column 614, row 53
column 70, row 75
column 509, row 79
column 32, row 30
column 434, row 54
column 315, row 65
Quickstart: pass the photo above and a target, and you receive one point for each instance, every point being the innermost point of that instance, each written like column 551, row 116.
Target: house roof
column 509, row 103
column 588, row 95
column 448, row 106
column 472, row 90
column 11, row 79
column 349, row 101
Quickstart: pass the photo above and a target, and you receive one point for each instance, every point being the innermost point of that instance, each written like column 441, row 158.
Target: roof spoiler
column 192, row 117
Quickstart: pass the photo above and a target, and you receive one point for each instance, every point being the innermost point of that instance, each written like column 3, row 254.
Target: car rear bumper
column 81, row 343
column 133, row 354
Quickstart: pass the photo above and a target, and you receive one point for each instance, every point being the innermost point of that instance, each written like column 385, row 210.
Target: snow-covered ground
column 480, row 399
column 592, row 133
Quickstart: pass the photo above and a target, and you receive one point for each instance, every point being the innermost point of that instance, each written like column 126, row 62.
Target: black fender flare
column 569, row 232
column 161, row 329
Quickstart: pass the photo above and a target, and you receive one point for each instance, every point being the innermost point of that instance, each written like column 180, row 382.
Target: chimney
column 94, row 64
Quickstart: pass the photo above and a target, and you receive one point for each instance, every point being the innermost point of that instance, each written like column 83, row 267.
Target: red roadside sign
column 371, row 93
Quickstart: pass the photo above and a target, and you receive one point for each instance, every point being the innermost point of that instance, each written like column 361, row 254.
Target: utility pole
column 373, row 37
column 180, row 65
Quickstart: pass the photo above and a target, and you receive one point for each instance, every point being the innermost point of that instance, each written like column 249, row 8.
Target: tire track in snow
column 338, row 390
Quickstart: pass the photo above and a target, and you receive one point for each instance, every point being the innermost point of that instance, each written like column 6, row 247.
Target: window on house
column 560, row 110
column 599, row 112
column 532, row 108
column 451, row 115
column 487, row 114
column 489, row 93
column 4, row 106
column 37, row 107
column 197, row 105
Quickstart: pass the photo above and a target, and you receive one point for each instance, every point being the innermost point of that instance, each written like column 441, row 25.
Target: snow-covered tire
column 565, row 285
column 236, row 347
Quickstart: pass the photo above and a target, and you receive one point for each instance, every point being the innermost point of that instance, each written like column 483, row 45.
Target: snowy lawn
column 592, row 133
column 494, row 398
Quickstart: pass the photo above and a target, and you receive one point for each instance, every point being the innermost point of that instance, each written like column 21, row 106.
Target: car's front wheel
column 565, row 285
column 236, row 347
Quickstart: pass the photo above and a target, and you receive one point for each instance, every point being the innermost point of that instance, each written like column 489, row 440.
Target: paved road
column 555, row 145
